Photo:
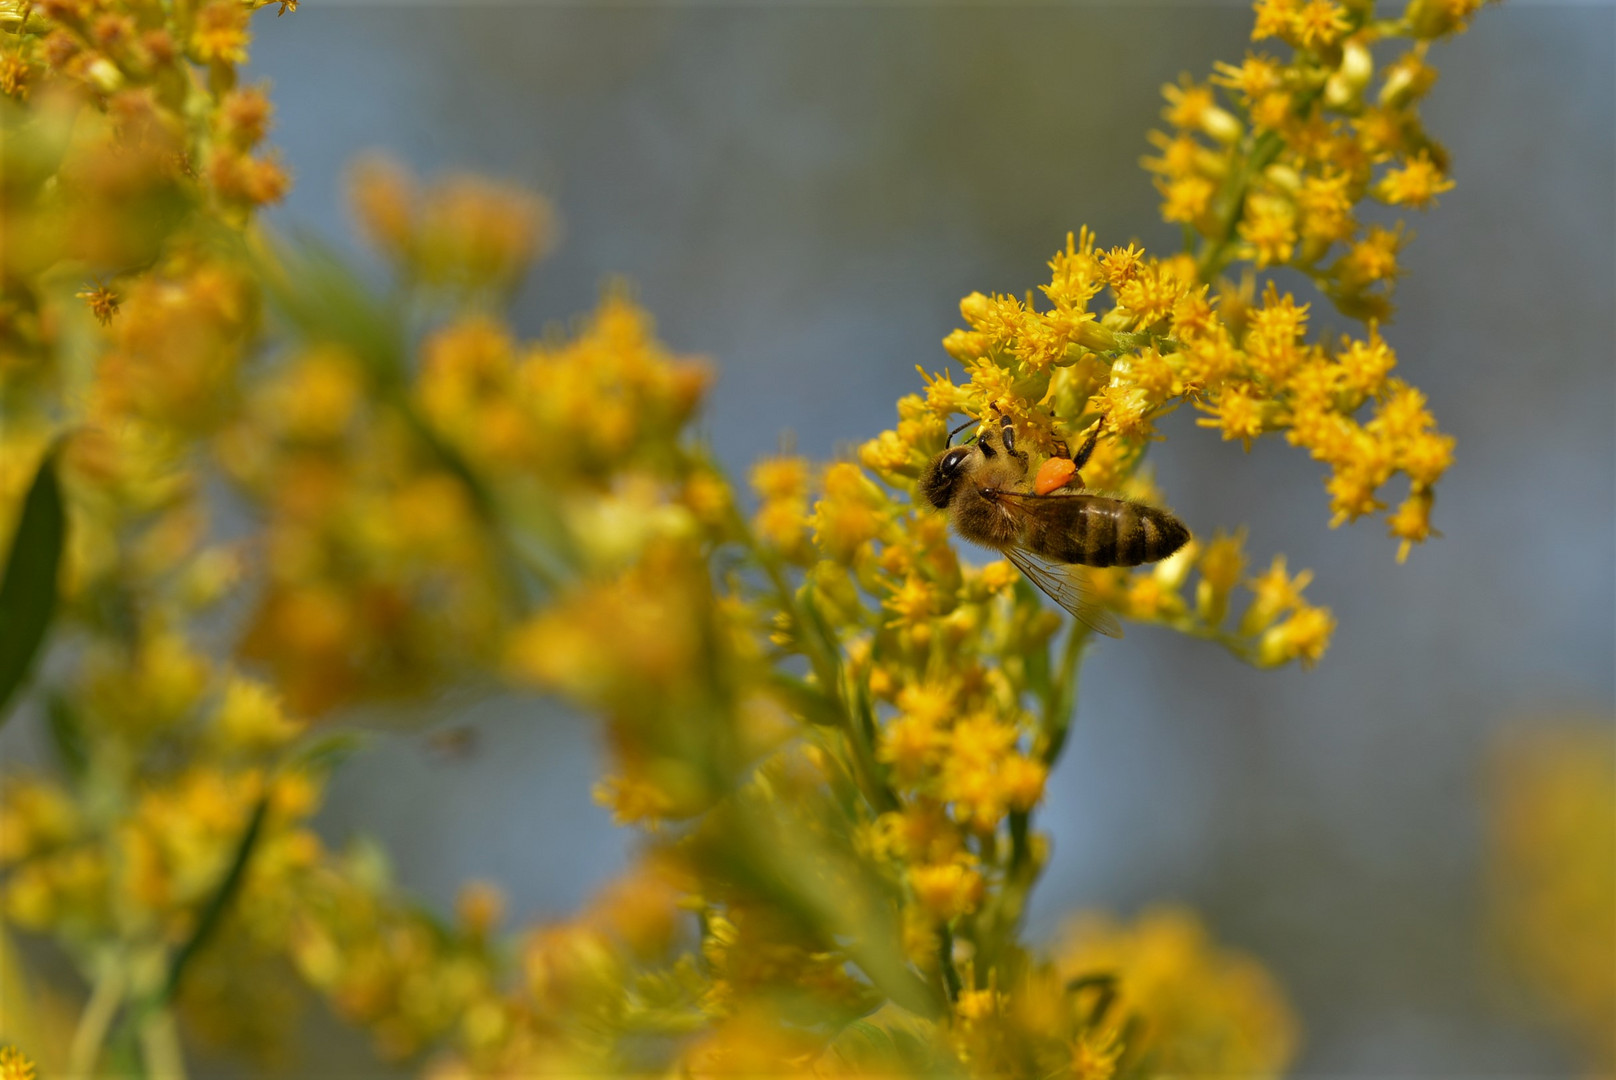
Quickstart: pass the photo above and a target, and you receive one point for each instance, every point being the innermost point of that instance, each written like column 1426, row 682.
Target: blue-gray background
column 804, row 193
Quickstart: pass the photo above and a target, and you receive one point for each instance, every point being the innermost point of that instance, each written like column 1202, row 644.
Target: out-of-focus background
column 804, row 193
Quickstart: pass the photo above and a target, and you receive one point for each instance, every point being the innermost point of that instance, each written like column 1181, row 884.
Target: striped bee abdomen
column 1099, row 531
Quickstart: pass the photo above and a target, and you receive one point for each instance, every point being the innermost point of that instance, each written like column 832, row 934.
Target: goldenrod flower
column 1416, row 184
column 14, row 1066
column 221, row 32
column 103, row 303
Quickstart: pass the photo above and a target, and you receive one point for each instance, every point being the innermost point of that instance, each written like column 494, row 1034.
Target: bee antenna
column 957, row 430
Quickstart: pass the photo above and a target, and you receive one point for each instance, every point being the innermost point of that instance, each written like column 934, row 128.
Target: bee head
column 937, row 483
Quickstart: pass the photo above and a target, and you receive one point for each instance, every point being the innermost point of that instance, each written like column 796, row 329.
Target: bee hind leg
column 1087, row 448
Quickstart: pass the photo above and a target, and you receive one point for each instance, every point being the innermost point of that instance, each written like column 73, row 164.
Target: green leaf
column 229, row 885
column 325, row 300
column 28, row 589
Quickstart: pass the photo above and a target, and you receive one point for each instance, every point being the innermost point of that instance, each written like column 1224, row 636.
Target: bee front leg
column 1007, row 439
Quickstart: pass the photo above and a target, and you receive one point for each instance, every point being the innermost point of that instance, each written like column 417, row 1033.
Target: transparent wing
column 1065, row 585
column 1058, row 510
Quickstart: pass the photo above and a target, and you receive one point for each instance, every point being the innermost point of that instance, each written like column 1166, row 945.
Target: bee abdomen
column 1115, row 532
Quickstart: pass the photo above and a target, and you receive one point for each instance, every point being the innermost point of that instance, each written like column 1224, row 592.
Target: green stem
column 1062, row 697
column 945, row 961
column 1214, row 255
column 160, row 1050
column 824, row 657
column 96, row 1020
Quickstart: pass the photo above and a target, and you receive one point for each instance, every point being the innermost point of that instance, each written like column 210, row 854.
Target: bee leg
column 1007, row 439
column 1061, row 449
column 1088, row 445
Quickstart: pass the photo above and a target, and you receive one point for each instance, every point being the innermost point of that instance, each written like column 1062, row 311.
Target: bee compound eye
column 952, row 461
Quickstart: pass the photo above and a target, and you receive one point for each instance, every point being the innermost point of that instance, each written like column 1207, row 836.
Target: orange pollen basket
column 1054, row 473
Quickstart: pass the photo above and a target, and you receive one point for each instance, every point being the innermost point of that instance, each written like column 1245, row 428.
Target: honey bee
column 1051, row 527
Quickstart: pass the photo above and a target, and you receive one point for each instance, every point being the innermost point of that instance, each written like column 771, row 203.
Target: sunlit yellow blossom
column 1319, row 23
column 852, row 724
column 978, row 1004
column 1325, row 203
column 947, row 890
column 1187, row 198
column 1274, row 593
column 1192, row 106
column 14, row 1065
column 250, row 717
column 1551, row 880
column 849, row 514
column 1274, row 18
column 221, row 32
column 1237, row 413
column 1217, row 1012
column 1304, row 636
column 1259, row 74
column 1416, row 184
column 1269, row 227
column 1095, row 1055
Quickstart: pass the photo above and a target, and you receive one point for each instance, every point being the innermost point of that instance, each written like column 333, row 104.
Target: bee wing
column 1065, row 584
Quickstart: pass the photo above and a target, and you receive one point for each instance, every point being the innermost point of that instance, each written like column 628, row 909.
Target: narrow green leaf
column 28, row 589
column 220, row 900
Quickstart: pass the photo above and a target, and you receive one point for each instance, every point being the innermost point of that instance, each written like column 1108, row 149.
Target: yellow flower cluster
column 14, row 1066
column 1201, row 1010
column 835, row 733
column 1552, row 887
